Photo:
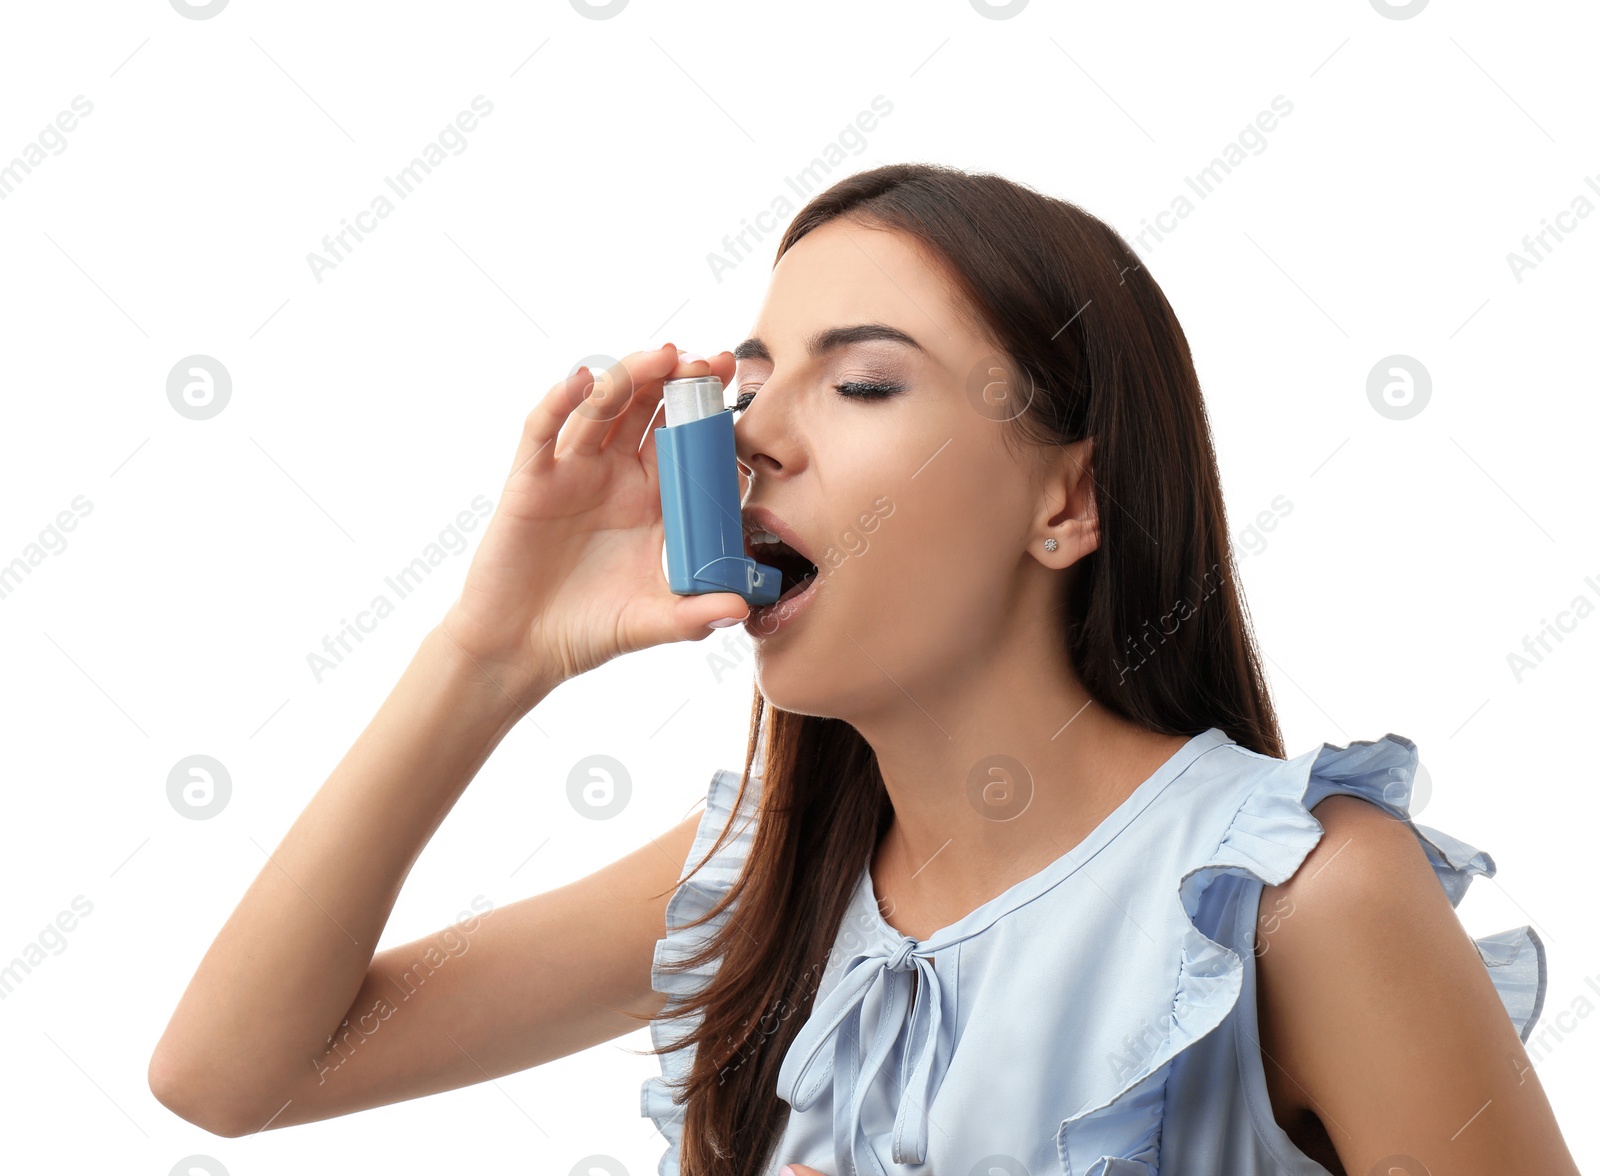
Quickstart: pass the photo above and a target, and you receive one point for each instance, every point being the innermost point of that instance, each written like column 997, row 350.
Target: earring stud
column 1051, row 545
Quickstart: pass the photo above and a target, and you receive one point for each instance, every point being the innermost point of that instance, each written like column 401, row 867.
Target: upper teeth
column 760, row 536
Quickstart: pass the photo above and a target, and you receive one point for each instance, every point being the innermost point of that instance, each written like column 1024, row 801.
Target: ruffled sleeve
column 1270, row 834
column 1384, row 772
column 693, row 898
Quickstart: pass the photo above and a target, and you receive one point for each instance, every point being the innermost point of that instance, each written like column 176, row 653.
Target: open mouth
column 797, row 571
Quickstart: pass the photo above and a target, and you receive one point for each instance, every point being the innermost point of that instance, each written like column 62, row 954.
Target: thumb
column 798, row 1170
column 692, row 615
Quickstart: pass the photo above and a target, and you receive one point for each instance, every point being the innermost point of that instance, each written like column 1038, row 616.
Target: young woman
column 1015, row 878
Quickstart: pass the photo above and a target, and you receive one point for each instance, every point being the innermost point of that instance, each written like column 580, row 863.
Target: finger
column 689, row 617
column 722, row 364
column 647, row 432
column 536, row 448
column 800, row 1170
column 614, row 389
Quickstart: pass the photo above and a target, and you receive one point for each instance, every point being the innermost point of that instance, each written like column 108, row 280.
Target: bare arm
column 285, row 1020
column 1379, row 1017
column 535, row 981
column 290, row 1018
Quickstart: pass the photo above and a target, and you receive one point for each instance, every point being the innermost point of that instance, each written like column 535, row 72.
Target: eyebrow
column 832, row 339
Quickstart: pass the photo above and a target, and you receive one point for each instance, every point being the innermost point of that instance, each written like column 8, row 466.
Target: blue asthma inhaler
column 699, row 474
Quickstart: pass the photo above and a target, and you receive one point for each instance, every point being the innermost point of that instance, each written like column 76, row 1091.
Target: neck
column 993, row 775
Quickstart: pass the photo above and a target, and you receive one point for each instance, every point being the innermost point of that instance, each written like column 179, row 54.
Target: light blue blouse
column 1097, row 1018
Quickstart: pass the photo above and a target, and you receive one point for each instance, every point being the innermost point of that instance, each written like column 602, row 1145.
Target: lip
column 767, row 619
column 760, row 518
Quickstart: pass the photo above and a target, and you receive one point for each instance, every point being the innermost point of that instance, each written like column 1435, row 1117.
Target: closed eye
column 864, row 390
column 854, row 390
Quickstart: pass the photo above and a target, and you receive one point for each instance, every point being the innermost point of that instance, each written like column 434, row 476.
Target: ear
column 1067, row 511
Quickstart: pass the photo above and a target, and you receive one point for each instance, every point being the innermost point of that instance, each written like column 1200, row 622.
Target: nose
column 754, row 440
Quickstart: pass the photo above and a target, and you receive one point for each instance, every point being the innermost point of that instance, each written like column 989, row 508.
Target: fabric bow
column 837, row 1017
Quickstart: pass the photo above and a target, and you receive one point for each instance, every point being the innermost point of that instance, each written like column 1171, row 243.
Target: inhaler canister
column 699, row 474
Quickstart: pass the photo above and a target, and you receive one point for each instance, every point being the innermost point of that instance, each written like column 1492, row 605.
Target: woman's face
column 919, row 518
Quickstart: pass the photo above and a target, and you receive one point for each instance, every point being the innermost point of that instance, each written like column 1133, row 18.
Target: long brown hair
column 1082, row 328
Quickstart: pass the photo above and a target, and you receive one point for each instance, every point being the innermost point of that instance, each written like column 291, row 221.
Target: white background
column 370, row 407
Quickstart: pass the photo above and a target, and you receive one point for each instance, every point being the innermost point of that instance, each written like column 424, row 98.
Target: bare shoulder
column 1365, row 856
column 1377, row 1014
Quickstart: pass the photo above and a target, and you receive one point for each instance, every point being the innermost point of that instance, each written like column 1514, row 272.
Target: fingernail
column 786, row 1171
column 689, row 357
column 723, row 624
